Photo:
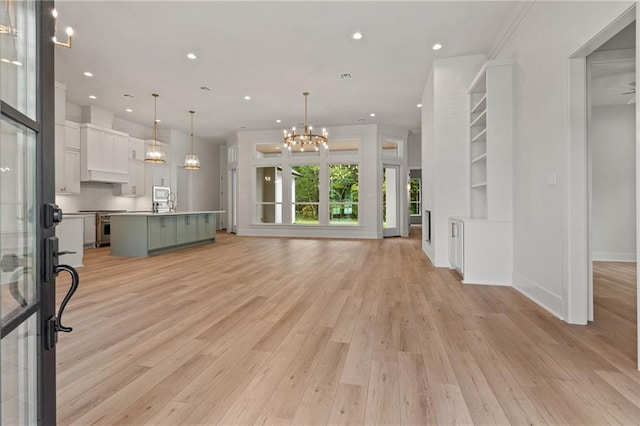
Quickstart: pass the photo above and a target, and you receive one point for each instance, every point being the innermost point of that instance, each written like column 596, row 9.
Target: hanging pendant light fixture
column 191, row 161
column 306, row 137
column 154, row 152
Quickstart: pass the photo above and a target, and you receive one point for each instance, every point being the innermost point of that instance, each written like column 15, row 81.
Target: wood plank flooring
column 303, row 331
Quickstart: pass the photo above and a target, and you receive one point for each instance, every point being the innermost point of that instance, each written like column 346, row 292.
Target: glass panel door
column 18, row 277
column 390, row 200
column 27, row 291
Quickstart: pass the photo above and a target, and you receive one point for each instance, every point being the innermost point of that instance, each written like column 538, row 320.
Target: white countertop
column 164, row 214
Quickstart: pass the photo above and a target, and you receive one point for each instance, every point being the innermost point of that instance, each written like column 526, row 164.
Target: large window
column 269, row 194
column 414, row 197
column 305, row 194
column 343, row 194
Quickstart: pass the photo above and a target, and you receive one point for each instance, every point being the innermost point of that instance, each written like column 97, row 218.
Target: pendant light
column 191, row 161
column 154, row 152
column 307, row 137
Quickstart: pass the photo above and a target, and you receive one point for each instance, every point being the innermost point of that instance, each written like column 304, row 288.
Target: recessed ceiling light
column 191, row 56
column 5, row 60
column 18, row 63
column 88, row 74
column 437, row 46
column 157, row 120
column 247, row 98
column 129, row 110
column 92, row 97
column 419, row 105
column 357, row 35
column 278, row 121
column 373, row 114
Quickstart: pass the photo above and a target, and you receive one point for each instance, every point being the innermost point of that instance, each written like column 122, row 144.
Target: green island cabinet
column 145, row 234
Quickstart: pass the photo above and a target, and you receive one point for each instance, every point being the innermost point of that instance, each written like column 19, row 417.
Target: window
column 343, row 147
column 305, row 194
column 343, row 194
column 390, row 149
column 269, row 150
column 269, row 194
column 414, row 197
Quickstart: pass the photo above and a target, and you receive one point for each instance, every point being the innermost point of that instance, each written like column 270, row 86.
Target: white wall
column 445, row 147
column 612, row 139
column 549, row 34
column 414, row 150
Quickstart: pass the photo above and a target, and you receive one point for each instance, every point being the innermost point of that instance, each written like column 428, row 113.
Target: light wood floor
column 302, row 331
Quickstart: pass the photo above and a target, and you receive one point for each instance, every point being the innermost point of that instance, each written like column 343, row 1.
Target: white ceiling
column 272, row 51
column 613, row 80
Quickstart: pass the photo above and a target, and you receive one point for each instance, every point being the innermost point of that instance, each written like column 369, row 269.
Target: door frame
column 576, row 291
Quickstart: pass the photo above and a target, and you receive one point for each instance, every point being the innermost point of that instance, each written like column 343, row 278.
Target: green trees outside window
column 343, row 194
column 414, row 197
column 305, row 193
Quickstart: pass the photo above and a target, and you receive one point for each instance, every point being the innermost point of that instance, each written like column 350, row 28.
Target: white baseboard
column 480, row 282
column 614, row 257
column 543, row 297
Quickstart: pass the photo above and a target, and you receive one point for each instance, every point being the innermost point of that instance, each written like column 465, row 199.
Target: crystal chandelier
column 191, row 161
column 307, row 138
column 154, row 152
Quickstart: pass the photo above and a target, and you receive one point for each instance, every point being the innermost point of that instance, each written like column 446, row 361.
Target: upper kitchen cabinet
column 136, row 149
column 67, row 152
column 104, row 155
column 135, row 187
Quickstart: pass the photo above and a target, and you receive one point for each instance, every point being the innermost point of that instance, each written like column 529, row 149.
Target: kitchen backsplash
column 98, row 196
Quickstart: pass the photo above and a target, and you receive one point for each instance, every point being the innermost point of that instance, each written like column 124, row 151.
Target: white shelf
column 479, row 185
column 479, row 158
column 480, row 120
column 480, row 137
column 480, row 105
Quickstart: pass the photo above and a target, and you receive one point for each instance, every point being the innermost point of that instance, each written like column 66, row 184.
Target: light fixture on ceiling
column 247, row 98
column 69, row 32
column 357, row 35
column 88, row 74
column 419, row 105
column 373, row 114
column 191, row 56
column 191, row 161
column 129, row 110
column 92, row 97
column 306, row 137
column 278, row 121
column 437, row 46
column 154, row 152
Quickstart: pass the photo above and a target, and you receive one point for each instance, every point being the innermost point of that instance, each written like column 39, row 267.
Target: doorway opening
column 611, row 193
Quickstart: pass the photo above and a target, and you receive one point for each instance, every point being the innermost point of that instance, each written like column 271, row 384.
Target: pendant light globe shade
column 191, row 160
column 154, row 152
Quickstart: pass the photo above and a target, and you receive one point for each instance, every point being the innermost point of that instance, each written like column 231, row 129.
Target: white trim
column 522, row 9
column 480, row 282
column 614, row 257
column 543, row 297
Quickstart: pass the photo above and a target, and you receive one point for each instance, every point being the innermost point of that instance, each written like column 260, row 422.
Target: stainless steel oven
column 103, row 229
column 103, row 225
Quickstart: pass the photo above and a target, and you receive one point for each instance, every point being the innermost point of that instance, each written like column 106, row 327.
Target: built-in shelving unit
column 481, row 245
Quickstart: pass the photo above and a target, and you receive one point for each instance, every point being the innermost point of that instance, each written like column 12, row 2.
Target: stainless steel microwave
column 161, row 194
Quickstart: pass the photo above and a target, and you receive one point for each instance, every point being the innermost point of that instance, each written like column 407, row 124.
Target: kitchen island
column 145, row 234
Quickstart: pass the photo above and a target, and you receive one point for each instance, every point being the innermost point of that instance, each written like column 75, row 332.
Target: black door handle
column 75, row 280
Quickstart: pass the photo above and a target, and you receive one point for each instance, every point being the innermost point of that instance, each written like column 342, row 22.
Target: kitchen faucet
column 171, row 201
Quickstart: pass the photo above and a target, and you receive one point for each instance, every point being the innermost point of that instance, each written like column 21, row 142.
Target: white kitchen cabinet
column 135, row 187
column 104, row 155
column 158, row 174
column 69, row 233
column 67, row 159
column 90, row 230
column 136, row 149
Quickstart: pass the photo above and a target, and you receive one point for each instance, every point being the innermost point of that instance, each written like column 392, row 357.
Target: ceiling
column 271, row 51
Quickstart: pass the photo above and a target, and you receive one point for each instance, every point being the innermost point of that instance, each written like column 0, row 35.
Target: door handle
column 54, row 324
